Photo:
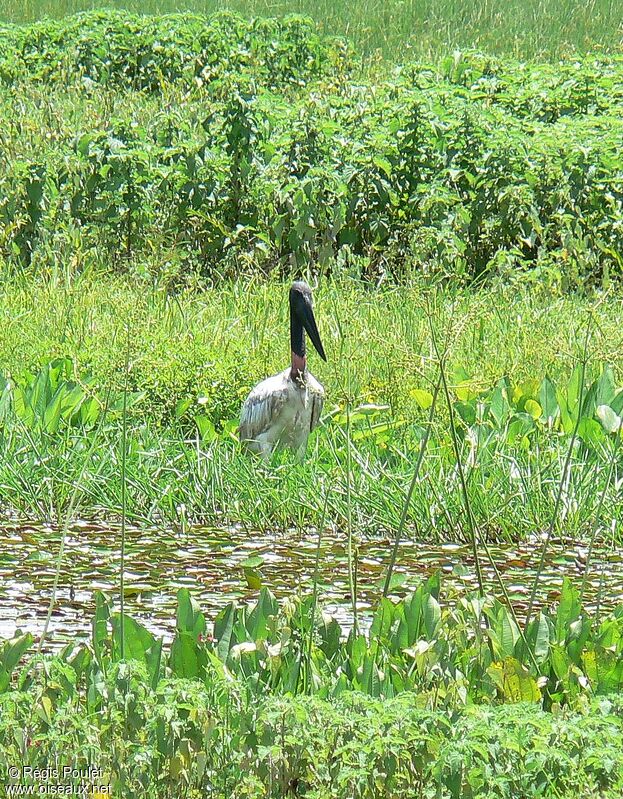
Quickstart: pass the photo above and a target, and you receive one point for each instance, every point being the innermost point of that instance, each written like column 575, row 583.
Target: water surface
column 211, row 564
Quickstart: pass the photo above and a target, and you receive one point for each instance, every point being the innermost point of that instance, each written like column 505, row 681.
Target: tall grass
column 196, row 357
column 85, row 466
column 124, row 491
column 404, row 28
column 217, row 342
column 563, row 480
column 407, row 501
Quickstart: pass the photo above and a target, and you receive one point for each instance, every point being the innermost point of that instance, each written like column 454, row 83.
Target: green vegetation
column 161, row 180
column 206, row 715
column 179, row 146
column 184, row 402
column 404, row 28
column 180, row 739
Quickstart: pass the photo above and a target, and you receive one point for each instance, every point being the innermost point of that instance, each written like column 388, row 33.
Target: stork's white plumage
column 282, row 410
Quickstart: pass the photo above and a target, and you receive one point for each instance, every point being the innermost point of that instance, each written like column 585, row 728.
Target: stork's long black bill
column 309, row 323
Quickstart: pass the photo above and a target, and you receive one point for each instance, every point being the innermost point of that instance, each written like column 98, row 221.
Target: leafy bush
column 276, row 153
column 144, row 53
column 202, row 719
column 450, row 653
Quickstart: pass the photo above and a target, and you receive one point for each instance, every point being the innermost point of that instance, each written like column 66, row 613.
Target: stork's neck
column 297, row 346
column 299, row 366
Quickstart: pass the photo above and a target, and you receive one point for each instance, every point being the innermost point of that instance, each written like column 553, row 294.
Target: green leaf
column 397, row 580
column 258, row 619
column 253, row 578
column 223, row 628
column 52, row 414
column 383, row 164
column 617, row 402
column 590, row 431
column 433, row 584
column 432, row 615
column 382, row 621
column 206, row 428
column 10, row 655
column 423, row 398
column 137, row 640
column 519, row 427
column 154, row 659
column 548, row 401
column 566, row 416
column 413, row 610
column 605, row 387
column 189, row 617
column 541, row 643
column 467, row 411
column 507, row 632
column 330, row 635
column 569, row 609
column 185, row 659
column 514, row 681
column 604, row 669
column 181, row 406
column 561, row 662
column 498, row 404
column 252, row 562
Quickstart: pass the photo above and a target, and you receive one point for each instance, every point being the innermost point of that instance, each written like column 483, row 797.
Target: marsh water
column 223, row 565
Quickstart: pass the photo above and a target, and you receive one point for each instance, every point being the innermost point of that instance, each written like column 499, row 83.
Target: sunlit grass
column 239, row 332
column 203, row 349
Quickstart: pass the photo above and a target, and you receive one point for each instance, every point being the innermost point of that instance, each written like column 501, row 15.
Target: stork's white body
column 281, row 412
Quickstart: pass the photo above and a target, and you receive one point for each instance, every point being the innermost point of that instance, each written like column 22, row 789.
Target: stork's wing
column 262, row 408
column 317, row 403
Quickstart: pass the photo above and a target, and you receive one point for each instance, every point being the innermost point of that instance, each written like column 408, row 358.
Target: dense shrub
column 179, row 739
column 269, row 151
column 144, row 53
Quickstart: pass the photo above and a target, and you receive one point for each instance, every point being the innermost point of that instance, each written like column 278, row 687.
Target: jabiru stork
column 282, row 410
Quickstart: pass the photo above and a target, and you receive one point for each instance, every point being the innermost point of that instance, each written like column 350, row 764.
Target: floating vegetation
column 220, row 566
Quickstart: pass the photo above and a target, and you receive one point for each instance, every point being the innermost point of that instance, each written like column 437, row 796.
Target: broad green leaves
column 518, row 415
column 435, row 170
column 470, row 650
column 53, row 396
column 11, row 653
column 138, row 644
column 56, row 398
column 188, row 658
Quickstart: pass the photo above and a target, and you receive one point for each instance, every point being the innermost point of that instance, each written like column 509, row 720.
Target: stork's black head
column 302, row 316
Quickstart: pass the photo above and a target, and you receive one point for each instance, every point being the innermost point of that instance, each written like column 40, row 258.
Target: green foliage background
column 164, row 176
column 395, row 28
column 220, row 146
